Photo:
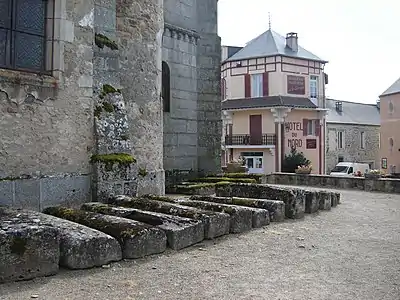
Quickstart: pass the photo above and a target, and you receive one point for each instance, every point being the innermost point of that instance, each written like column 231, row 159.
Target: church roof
column 393, row 89
column 271, row 43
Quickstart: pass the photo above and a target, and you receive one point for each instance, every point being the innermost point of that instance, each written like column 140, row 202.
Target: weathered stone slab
column 28, row 249
column 181, row 232
column 312, row 202
column 334, row 200
column 293, row 198
column 215, row 223
column 241, row 217
column 136, row 239
column 324, row 199
column 82, row 247
column 275, row 208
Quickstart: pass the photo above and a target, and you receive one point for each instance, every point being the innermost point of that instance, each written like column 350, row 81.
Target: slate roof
column 352, row 113
column 271, row 43
column 268, row 101
column 393, row 89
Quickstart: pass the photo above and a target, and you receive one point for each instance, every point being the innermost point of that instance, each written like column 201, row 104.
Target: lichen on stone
column 101, row 41
column 142, row 172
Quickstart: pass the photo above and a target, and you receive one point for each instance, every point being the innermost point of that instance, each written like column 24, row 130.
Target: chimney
column 339, row 106
column 292, row 41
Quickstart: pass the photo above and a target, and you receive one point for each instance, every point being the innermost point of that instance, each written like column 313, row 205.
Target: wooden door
column 256, row 130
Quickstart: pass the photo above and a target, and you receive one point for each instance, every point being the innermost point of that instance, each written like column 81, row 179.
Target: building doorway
column 254, row 162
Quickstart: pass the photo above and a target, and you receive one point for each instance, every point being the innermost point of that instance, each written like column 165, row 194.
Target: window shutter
column 223, row 88
column 265, row 84
column 305, row 125
column 317, row 128
column 247, row 86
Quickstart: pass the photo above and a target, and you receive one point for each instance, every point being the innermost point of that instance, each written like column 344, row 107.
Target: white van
column 349, row 168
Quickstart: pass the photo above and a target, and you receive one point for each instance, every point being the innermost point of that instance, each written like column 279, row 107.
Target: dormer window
column 339, row 106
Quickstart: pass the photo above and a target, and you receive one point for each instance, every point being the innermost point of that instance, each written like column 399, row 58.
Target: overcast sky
column 359, row 38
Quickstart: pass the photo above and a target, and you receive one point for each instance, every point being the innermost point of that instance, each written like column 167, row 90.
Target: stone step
column 215, row 223
column 275, row 208
column 293, row 198
column 242, row 218
column 28, row 248
column 82, row 247
column 181, row 232
column 136, row 239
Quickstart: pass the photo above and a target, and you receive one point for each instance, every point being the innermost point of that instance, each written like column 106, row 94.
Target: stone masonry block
column 6, row 192
column 27, row 194
column 115, row 171
column 69, row 191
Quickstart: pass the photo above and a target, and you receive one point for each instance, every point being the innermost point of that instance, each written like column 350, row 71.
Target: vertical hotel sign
column 296, row 85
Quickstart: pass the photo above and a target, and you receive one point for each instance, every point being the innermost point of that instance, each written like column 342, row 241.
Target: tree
column 293, row 160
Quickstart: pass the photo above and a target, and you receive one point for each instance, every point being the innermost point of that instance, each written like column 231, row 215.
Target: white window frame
column 314, row 87
column 362, row 139
column 340, row 139
column 256, row 85
column 311, row 128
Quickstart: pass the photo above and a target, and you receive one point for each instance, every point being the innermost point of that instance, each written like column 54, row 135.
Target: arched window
column 166, row 86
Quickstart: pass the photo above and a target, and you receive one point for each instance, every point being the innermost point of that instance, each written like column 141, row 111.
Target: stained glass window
column 23, row 34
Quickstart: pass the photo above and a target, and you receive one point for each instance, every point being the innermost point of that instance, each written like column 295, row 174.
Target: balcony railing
column 246, row 139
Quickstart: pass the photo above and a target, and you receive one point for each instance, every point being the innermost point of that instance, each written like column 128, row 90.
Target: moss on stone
column 108, row 107
column 97, row 111
column 223, row 183
column 224, row 179
column 199, row 186
column 257, row 177
column 243, row 202
column 18, row 245
column 101, row 41
column 109, row 89
column 142, row 172
column 119, row 158
column 94, row 218
column 9, row 178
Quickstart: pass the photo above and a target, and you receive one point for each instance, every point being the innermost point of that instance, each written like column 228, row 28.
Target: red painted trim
column 320, row 149
column 305, row 125
column 276, row 148
column 247, row 86
column 282, row 128
column 265, row 84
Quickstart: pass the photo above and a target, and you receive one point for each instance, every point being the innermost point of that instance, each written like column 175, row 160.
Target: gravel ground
column 351, row 252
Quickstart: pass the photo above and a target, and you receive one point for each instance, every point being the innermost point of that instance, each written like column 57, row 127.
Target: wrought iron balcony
column 248, row 140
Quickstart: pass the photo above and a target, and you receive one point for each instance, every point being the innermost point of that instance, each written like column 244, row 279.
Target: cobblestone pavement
column 351, row 252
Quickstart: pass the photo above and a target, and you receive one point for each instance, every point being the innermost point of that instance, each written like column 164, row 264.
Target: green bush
column 293, row 160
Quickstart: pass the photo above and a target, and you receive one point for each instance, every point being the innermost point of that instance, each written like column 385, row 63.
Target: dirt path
column 352, row 252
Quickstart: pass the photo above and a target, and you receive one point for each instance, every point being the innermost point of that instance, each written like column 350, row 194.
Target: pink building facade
column 273, row 98
column 389, row 131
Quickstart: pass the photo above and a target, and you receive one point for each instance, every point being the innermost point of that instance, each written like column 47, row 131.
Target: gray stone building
column 80, row 88
column 352, row 133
